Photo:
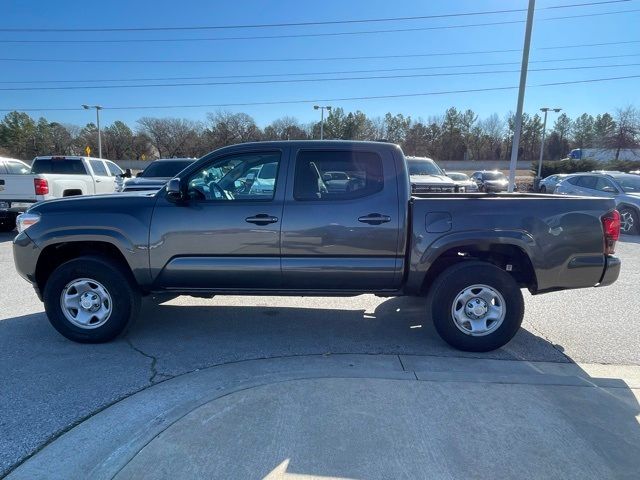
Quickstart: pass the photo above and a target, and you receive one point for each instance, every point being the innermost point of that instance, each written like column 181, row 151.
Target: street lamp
column 322, row 109
column 544, row 132
column 98, row 108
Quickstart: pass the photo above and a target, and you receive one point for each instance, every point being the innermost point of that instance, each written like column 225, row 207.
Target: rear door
column 227, row 235
column 104, row 182
column 344, row 237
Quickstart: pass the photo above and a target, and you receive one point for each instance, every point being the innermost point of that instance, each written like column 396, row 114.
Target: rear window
column 62, row 166
column 359, row 173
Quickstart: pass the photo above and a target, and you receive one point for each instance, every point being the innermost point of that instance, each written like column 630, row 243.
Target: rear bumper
column 611, row 271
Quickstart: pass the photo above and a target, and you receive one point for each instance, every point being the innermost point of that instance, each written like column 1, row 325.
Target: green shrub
column 566, row 166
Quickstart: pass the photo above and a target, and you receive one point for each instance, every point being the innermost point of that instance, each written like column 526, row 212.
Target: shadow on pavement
column 7, row 236
column 50, row 383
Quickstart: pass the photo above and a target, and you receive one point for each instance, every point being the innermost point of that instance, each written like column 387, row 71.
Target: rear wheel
column 629, row 223
column 476, row 306
column 91, row 299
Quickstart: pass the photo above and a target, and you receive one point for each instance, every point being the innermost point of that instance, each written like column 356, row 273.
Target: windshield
column 458, row 176
column 629, row 183
column 165, row 169
column 494, row 176
column 423, row 167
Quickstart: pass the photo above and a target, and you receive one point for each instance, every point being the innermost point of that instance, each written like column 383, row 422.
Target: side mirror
column 174, row 190
column 127, row 173
column 138, row 174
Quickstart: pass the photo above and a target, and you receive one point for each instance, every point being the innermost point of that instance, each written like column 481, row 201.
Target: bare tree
column 172, row 137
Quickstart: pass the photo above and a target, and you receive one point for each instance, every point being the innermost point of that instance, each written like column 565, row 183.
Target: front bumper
column 611, row 271
column 25, row 257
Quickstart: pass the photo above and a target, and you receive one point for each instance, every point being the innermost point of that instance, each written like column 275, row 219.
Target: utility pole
column 98, row 108
column 544, row 133
column 523, row 84
column 322, row 109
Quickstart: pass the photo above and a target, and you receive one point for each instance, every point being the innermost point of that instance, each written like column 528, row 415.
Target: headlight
column 25, row 220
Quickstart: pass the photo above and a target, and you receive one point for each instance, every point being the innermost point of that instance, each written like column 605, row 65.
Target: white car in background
column 462, row 180
column 624, row 188
column 264, row 180
column 52, row 177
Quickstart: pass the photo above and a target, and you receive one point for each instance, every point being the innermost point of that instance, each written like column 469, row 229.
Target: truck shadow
column 599, row 415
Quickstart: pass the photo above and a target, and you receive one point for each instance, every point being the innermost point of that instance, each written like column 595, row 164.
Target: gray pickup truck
column 332, row 218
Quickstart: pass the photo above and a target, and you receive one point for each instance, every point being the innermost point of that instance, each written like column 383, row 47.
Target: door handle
column 98, row 180
column 374, row 219
column 261, row 219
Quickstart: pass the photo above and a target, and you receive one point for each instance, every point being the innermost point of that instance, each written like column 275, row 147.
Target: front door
column 341, row 227
column 227, row 234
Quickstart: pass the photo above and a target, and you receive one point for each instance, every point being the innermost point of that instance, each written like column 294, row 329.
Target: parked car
column 9, row 209
column 91, row 259
column 463, row 182
column 427, row 177
column 54, row 177
column 635, row 172
column 624, row 188
column 548, row 184
column 491, row 181
column 155, row 175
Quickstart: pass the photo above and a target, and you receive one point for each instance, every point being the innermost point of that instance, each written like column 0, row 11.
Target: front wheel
column 91, row 299
column 476, row 306
column 629, row 223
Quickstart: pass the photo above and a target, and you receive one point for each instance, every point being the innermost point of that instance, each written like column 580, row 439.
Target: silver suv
column 623, row 187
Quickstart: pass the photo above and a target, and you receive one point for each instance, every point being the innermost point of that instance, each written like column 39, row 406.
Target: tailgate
column 17, row 188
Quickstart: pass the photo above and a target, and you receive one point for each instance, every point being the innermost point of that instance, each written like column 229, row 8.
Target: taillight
column 611, row 229
column 41, row 185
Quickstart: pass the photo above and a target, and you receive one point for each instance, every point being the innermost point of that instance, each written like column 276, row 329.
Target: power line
column 308, row 80
column 308, row 23
column 342, row 99
column 331, row 72
column 327, row 34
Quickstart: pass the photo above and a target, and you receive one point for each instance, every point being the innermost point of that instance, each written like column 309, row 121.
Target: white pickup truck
column 51, row 177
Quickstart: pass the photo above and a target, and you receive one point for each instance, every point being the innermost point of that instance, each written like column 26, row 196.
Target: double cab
column 335, row 218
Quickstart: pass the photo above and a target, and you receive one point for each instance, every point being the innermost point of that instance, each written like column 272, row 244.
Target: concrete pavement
column 363, row 416
column 49, row 384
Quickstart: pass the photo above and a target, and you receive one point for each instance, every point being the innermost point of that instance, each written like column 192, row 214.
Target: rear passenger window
column 17, row 168
column 337, row 175
column 98, row 168
column 587, row 182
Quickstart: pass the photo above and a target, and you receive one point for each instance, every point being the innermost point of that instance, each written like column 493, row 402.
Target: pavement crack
column 154, row 360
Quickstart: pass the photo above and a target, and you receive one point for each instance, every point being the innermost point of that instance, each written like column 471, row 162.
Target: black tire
column 8, row 224
column 461, row 276
column 118, row 283
column 634, row 225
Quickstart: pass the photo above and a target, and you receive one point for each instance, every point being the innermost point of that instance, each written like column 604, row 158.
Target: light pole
column 98, row 108
column 544, row 132
column 322, row 108
column 523, row 85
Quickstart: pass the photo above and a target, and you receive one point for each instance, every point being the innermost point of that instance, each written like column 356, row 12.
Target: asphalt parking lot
column 50, row 384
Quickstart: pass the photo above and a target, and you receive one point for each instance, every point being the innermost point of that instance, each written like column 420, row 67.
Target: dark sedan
column 156, row 174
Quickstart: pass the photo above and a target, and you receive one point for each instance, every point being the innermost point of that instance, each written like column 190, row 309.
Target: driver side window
column 247, row 176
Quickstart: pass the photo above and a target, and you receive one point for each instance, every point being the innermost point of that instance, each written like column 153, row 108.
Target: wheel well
column 500, row 255
column 55, row 255
column 71, row 193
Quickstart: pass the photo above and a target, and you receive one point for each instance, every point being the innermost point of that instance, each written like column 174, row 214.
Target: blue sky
column 574, row 99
